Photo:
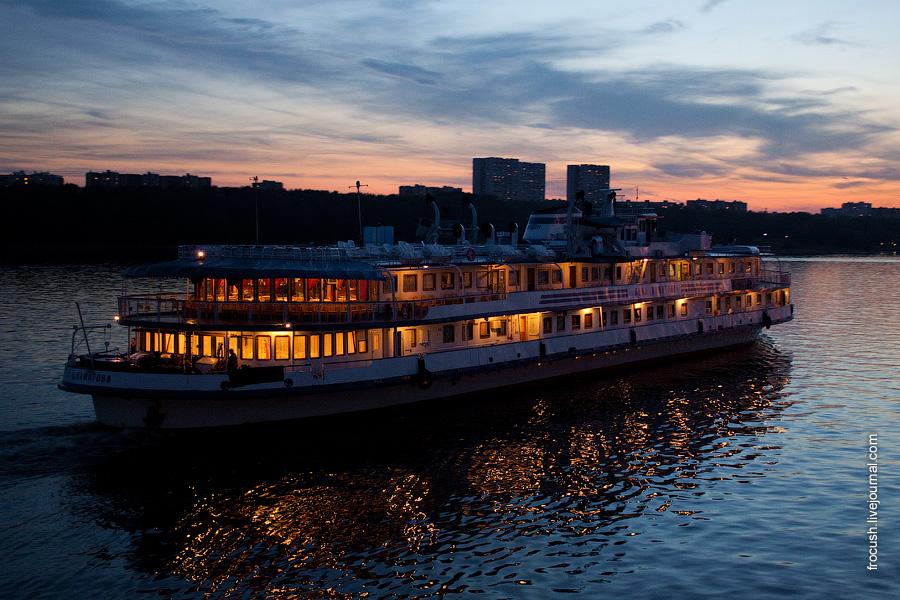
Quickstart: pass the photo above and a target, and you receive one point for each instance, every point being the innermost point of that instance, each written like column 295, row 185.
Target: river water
column 742, row 475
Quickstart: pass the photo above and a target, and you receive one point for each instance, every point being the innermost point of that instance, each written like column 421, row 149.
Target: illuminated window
column 484, row 329
column 339, row 344
column 588, row 320
column 247, row 348
column 299, row 347
column 351, row 342
column 637, row 315
column 576, row 322
column 721, row 268
column 263, row 347
column 327, row 344
column 684, row 309
column 314, row 346
column 467, row 279
column 282, row 347
column 671, row 310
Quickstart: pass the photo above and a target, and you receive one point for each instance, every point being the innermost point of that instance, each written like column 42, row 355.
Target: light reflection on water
column 730, row 476
column 548, row 493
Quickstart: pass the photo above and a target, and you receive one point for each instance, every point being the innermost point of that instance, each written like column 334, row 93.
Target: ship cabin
column 293, row 306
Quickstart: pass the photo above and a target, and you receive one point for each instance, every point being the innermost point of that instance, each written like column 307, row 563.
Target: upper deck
column 254, row 287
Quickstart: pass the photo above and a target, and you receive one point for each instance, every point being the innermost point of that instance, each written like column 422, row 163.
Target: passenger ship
column 233, row 335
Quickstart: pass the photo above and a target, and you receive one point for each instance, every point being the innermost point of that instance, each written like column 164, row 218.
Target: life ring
column 470, row 254
column 406, row 311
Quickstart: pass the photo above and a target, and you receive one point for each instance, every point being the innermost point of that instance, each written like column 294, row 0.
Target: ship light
column 287, row 325
column 116, row 318
column 200, row 253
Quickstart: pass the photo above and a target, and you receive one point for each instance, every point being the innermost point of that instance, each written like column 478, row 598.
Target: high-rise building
column 590, row 178
column 508, row 178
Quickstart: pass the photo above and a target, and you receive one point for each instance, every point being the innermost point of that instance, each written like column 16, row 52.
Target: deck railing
column 170, row 309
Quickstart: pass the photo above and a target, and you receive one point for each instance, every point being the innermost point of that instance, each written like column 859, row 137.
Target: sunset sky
column 787, row 105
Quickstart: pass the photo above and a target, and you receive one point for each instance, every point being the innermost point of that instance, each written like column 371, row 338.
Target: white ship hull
column 183, row 401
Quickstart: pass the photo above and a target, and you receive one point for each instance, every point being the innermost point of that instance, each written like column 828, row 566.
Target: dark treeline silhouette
column 129, row 223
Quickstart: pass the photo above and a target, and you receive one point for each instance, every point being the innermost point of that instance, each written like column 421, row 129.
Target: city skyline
column 783, row 106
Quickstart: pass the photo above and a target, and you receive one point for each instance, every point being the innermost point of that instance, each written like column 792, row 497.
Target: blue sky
column 784, row 105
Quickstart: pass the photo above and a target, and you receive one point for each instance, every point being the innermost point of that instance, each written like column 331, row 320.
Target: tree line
column 119, row 223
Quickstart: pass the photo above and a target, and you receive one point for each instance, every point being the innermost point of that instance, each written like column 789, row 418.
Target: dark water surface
column 741, row 475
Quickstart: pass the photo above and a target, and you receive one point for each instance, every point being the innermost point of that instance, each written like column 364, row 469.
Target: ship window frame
column 588, row 320
column 543, row 277
column 448, row 280
column 637, row 314
column 327, row 345
column 626, row 315
column 548, row 325
column 576, row 322
column 449, row 334
column 429, row 282
column 613, row 317
column 484, row 330
column 315, row 346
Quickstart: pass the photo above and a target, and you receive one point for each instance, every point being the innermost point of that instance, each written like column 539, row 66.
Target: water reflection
column 547, row 489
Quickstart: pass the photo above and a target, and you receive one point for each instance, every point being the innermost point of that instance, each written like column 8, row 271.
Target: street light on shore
column 359, row 209
column 255, row 187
